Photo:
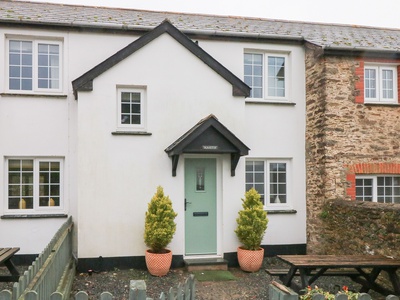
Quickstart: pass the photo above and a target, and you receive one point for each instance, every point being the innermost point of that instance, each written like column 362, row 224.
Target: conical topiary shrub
column 252, row 223
column 159, row 230
column 160, row 223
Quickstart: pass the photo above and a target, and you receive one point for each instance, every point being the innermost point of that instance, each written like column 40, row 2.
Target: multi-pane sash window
column 276, row 76
column 34, row 65
column 269, row 82
column 34, row 184
column 269, row 178
column 380, row 84
column 382, row 189
column 253, row 74
column 131, row 108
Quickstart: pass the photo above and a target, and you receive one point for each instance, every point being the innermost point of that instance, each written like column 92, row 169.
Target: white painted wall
column 35, row 127
column 122, row 172
column 274, row 131
column 180, row 91
column 110, row 179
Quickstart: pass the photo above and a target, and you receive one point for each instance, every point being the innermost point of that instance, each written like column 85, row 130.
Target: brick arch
column 367, row 168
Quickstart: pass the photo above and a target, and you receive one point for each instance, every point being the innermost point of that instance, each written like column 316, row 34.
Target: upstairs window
column 382, row 189
column 131, row 109
column 34, row 185
column 34, row 65
column 270, row 179
column 266, row 74
column 380, row 84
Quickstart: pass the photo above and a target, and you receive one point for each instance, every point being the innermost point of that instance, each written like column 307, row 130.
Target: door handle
column 186, row 203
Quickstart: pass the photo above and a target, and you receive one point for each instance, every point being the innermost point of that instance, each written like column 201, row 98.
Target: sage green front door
column 200, row 206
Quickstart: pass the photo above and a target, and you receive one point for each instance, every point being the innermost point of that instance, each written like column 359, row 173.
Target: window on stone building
column 380, row 84
column 378, row 188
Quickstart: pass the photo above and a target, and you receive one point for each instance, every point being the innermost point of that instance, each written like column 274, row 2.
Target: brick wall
column 342, row 134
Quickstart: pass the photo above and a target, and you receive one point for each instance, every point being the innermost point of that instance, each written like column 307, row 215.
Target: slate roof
column 329, row 36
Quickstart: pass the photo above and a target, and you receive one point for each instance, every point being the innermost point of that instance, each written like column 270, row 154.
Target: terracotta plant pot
column 250, row 260
column 158, row 264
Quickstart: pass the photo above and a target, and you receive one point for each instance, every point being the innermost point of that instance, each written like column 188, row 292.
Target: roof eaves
column 78, row 24
column 355, row 51
column 250, row 35
column 129, row 27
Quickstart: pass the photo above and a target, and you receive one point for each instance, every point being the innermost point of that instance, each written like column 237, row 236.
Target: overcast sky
column 378, row 13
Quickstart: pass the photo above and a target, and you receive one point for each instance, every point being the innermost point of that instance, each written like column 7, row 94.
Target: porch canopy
column 208, row 136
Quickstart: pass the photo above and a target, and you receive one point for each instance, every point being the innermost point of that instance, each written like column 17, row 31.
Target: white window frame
column 267, row 204
column 37, row 209
column 35, row 67
column 374, row 179
column 265, row 78
column 379, row 84
column 143, row 109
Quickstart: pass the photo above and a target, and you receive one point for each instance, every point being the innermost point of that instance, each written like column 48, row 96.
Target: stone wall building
column 349, row 138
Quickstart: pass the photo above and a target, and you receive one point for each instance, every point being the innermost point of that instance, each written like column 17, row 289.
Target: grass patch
column 214, row 275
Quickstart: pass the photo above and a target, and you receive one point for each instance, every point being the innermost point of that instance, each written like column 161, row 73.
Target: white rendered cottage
column 148, row 109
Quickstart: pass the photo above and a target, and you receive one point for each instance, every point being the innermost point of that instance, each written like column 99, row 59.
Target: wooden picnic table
column 363, row 269
column 6, row 255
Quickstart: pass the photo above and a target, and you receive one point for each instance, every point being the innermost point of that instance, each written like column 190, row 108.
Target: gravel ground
column 247, row 285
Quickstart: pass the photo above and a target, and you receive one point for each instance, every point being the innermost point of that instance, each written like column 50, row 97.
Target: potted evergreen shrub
column 251, row 225
column 159, row 229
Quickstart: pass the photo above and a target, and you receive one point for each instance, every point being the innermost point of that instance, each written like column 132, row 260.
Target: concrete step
column 206, row 264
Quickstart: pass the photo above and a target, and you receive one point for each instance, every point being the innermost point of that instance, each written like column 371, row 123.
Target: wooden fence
column 52, row 271
column 280, row 292
column 51, row 275
column 137, row 291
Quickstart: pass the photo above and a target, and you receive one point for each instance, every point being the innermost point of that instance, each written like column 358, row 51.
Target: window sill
column 131, row 133
column 34, row 95
column 281, row 211
column 39, row 216
column 381, row 104
column 263, row 102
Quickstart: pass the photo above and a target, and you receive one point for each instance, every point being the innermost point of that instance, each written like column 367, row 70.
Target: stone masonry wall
column 315, row 149
column 342, row 133
column 356, row 227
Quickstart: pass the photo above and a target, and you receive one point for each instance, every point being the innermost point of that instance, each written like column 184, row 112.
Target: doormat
column 217, row 275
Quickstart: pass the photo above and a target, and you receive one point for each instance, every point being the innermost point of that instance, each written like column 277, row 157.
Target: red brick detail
column 367, row 168
column 398, row 84
column 351, row 190
column 359, row 73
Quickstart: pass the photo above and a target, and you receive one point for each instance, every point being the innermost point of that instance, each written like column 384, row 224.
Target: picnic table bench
column 363, row 269
column 6, row 255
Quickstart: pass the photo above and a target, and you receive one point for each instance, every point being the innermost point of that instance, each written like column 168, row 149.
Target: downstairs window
column 270, row 179
column 374, row 188
column 34, row 185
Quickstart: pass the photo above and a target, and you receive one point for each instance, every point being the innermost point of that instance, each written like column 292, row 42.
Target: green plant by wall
column 252, row 221
column 160, row 223
column 324, row 214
